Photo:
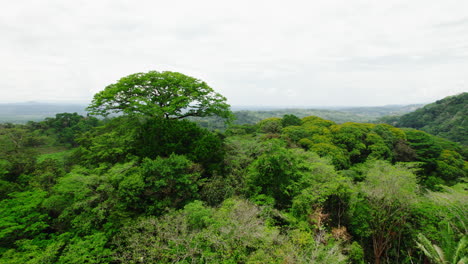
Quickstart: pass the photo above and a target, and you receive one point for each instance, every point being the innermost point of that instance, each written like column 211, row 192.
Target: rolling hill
column 445, row 118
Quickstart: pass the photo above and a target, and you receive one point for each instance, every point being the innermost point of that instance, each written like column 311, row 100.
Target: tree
column 291, row 120
column 17, row 153
column 382, row 207
column 67, row 127
column 270, row 125
column 170, row 95
column 163, row 137
column 273, row 173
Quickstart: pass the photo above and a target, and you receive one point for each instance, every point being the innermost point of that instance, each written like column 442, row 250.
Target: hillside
column 445, row 118
column 373, row 112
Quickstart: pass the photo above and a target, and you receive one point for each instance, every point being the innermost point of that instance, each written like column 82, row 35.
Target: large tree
column 170, row 95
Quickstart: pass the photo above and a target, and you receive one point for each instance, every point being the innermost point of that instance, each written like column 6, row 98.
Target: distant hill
column 253, row 116
column 34, row 111
column 370, row 112
column 445, row 118
column 374, row 112
column 337, row 114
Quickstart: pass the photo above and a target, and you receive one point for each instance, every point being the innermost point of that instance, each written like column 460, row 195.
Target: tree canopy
column 170, row 95
column 150, row 188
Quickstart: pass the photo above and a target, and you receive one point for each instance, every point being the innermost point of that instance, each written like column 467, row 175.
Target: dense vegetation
column 446, row 118
column 144, row 189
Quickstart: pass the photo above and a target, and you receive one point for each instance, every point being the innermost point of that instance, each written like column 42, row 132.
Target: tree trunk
column 379, row 247
column 377, row 258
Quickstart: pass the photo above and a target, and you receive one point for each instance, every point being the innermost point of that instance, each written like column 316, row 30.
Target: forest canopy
column 151, row 187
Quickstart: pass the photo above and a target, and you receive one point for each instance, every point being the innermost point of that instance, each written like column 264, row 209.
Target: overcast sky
column 266, row 53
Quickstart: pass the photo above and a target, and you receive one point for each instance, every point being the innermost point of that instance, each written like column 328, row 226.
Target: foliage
column 452, row 206
column 338, row 157
column 160, row 184
column 16, row 151
column 161, row 137
column 109, row 143
column 87, row 249
column 449, row 252
column 351, row 137
column 81, row 201
column 22, row 217
column 382, row 207
column 140, row 189
column 445, row 162
column 275, row 171
column 356, row 253
column 290, row 120
column 271, row 125
column 67, row 127
column 319, row 185
column 124, row 139
column 234, row 233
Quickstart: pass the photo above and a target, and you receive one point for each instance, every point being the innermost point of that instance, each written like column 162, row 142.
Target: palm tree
column 449, row 251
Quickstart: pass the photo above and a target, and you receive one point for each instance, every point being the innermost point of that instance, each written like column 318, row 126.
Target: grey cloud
column 463, row 22
column 252, row 52
column 406, row 60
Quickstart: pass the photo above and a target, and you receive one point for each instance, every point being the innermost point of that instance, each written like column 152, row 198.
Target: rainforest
column 147, row 183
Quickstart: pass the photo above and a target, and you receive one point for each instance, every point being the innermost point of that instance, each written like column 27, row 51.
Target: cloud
column 462, row 22
column 359, row 52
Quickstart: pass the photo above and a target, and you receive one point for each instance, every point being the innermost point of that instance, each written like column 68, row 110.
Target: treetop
column 166, row 94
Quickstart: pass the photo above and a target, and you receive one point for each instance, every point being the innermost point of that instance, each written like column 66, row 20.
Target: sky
column 255, row 53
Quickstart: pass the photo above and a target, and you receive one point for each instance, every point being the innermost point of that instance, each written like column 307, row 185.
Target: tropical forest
column 160, row 169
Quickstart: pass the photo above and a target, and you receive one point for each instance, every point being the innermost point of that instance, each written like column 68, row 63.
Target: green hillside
column 445, row 118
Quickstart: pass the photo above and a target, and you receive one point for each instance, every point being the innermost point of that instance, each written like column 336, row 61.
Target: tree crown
column 170, row 95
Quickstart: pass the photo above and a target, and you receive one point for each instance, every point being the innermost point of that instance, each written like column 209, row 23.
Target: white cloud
column 329, row 52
